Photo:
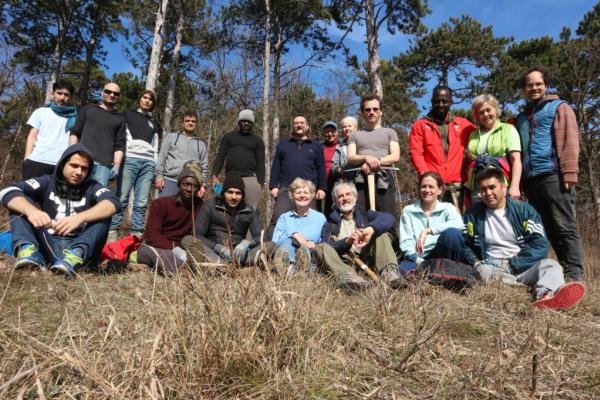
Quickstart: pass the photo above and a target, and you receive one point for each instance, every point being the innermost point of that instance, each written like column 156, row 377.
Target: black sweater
column 245, row 154
column 101, row 131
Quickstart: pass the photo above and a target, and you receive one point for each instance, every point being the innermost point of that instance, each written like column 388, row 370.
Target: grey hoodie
column 176, row 149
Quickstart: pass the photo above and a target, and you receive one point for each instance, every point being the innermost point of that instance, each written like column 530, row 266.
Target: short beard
column 347, row 207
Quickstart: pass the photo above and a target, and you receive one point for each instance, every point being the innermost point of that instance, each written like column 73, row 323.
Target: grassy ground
column 249, row 335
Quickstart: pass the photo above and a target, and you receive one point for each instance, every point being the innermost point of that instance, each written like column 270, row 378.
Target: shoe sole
column 63, row 269
column 352, row 286
column 567, row 296
column 29, row 265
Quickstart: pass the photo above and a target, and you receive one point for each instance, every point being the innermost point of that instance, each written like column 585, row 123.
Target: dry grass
column 136, row 335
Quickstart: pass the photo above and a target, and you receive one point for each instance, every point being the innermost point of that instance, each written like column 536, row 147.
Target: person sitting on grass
column 170, row 219
column 505, row 240
column 222, row 226
column 352, row 231
column 70, row 229
column 300, row 229
column 430, row 228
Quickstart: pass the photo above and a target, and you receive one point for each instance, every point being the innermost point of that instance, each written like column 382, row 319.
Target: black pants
column 385, row 199
column 33, row 169
column 556, row 206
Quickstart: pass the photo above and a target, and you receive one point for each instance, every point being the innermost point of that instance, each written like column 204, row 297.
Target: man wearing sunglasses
column 372, row 150
column 101, row 128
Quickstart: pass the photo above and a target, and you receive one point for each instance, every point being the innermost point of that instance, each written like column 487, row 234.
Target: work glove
column 180, row 253
column 240, row 252
column 223, row 252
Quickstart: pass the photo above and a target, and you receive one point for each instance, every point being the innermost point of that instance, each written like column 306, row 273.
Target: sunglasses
column 374, row 109
column 109, row 92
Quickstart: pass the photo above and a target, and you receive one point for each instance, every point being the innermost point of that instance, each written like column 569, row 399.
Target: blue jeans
column 449, row 245
column 136, row 173
column 91, row 239
column 101, row 174
column 171, row 189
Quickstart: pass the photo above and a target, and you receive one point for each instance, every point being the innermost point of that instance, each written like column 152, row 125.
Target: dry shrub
column 252, row 335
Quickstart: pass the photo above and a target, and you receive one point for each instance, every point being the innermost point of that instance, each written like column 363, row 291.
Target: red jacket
column 427, row 152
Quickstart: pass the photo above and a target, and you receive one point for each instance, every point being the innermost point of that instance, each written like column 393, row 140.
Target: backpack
column 452, row 275
column 121, row 249
column 482, row 162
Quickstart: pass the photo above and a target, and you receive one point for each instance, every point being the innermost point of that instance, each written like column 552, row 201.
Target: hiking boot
column 69, row 263
column 351, row 282
column 391, row 277
column 113, row 236
column 303, row 261
column 30, row 257
column 566, row 296
column 280, row 262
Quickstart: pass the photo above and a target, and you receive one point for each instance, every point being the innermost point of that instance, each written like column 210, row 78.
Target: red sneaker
column 566, row 296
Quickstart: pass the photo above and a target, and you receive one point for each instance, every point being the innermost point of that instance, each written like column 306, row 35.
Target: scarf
column 68, row 111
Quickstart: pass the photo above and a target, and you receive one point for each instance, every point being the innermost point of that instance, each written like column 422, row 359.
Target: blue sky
column 521, row 19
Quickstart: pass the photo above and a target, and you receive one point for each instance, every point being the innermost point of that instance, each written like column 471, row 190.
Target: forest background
column 250, row 334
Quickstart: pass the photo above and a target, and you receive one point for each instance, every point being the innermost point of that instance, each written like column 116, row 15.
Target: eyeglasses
column 374, row 109
column 110, row 92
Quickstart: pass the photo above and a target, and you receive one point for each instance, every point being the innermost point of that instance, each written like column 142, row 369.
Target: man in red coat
column 437, row 144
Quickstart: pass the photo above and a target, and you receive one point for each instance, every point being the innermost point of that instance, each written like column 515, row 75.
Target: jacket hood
column 62, row 188
column 546, row 98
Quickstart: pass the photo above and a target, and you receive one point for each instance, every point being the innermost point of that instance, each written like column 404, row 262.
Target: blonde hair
column 301, row 183
column 485, row 99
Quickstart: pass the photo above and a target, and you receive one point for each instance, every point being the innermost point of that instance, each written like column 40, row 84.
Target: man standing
column 550, row 148
column 351, row 230
column 504, row 240
column 71, row 227
column 138, row 168
column 331, row 147
column 437, row 144
column 243, row 153
column 373, row 149
column 178, row 148
column 49, row 134
column 222, row 226
column 297, row 157
column 171, row 218
column 101, row 128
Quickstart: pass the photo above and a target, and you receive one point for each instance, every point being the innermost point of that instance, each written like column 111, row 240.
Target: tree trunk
column 56, row 59
column 173, row 76
column 276, row 82
column 587, row 149
column 266, row 87
column 157, row 46
column 373, row 49
column 90, row 49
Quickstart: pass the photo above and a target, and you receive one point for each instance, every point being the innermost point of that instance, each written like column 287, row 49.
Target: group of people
column 62, row 213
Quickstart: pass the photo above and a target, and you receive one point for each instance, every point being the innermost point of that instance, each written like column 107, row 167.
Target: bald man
column 101, row 128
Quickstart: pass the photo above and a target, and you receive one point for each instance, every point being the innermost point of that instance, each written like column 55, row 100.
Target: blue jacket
column 528, row 228
column 380, row 221
column 536, row 128
column 56, row 197
column 295, row 158
column 414, row 220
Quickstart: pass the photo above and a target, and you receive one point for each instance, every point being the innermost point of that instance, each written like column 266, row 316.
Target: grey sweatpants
column 546, row 273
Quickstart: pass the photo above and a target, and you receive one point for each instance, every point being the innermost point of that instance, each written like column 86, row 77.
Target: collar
column 295, row 139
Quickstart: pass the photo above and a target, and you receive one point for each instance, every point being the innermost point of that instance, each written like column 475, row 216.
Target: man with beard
column 70, row 228
column 437, row 144
column 222, row 226
column 101, row 128
column 244, row 153
column 297, row 157
column 351, row 230
column 170, row 219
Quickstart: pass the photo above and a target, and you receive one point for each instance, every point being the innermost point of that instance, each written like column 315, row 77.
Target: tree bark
column 157, row 46
column 90, row 49
column 168, row 116
column 56, row 59
column 266, row 87
column 276, row 82
column 373, row 49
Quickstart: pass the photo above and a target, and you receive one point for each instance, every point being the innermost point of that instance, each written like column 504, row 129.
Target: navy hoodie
column 56, row 197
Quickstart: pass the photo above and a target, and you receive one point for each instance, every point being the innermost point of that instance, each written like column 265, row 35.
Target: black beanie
column 233, row 180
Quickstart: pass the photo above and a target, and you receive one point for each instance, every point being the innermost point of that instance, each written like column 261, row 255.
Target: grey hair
column 300, row 183
column 341, row 183
column 351, row 119
column 485, row 99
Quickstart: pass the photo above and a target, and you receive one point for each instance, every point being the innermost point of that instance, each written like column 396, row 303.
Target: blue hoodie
column 56, row 197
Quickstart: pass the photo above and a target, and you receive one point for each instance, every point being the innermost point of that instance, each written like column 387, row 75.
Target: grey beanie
column 246, row 115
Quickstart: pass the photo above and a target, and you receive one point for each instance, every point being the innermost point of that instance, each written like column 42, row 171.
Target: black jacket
column 215, row 225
